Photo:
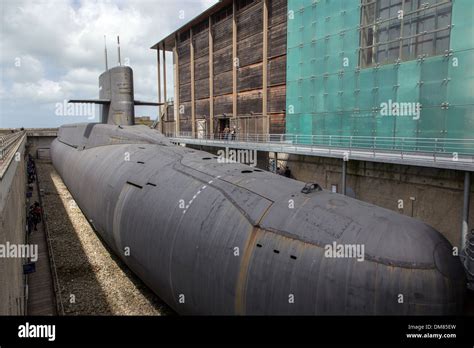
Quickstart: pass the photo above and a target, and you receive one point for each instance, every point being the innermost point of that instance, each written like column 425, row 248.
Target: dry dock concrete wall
column 39, row 142
column 12, row 230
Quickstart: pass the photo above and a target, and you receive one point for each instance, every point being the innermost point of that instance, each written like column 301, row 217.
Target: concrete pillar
column 211, row 80
column 234, row 60
column 263, row 160
column 160, row 121
column 176, row 85
column 266, row 121
column 465, row 209
column 275, row 159
column 193, row 98
column 164, row 82
column 343, row 178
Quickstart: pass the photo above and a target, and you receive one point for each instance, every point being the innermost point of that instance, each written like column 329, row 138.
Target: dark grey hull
column 235, row 246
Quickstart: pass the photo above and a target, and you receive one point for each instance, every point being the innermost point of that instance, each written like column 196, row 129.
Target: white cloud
column 24, row 68
column 43, row 91
column 60, row 46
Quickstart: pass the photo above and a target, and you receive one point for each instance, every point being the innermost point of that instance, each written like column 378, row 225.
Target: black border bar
column 257, row 330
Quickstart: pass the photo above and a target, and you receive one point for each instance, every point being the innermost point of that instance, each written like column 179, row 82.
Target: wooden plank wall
column 249, row 23
column 277, row 22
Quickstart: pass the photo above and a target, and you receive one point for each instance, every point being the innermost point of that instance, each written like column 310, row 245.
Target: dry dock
column 41, row 299
column 91, row 280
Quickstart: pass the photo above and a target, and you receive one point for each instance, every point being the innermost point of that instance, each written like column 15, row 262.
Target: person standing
column 38, row 211
column 32, row 217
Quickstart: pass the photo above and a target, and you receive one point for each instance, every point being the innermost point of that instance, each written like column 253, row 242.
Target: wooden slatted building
column 229, row 70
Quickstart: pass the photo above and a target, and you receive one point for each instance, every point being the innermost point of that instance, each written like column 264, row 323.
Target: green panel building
column 389, row 74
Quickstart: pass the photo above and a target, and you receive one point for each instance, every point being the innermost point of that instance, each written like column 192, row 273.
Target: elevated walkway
column 426, row 152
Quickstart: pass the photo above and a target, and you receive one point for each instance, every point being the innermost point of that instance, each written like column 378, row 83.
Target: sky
column 52, row 51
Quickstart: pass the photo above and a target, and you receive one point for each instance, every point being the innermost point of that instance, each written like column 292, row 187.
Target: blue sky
column 51, row 51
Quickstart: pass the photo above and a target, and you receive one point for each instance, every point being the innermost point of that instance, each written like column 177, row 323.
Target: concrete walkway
column 41, row 299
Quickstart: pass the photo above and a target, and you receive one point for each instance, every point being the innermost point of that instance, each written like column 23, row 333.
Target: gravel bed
column 92, row 280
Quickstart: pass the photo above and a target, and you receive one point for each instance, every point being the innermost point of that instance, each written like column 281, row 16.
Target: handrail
column 7, row 144
column 447, row 146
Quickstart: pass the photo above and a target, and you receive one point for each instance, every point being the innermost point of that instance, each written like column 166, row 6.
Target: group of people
column 31, row 169
column 285, row 171
column 34, row 217
column 34, row 212
column 229, row 134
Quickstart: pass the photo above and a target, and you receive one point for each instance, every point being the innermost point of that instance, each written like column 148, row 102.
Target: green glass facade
column 329, row 95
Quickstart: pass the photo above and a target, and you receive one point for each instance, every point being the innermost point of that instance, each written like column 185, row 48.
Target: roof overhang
column 169, row 40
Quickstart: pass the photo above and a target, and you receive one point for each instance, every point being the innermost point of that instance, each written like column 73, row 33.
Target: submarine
column 213, row 238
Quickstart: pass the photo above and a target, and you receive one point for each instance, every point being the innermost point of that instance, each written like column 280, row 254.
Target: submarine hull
column 225, row 238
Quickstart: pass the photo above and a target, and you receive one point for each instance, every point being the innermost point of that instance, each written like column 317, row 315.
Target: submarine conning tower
column 116, row 85
column 116, row 95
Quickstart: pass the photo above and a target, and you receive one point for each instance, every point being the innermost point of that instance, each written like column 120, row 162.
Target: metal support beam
column 465, row 209
column 159, row 87
column 211, row 79
column 191, row 64
column 176, row 85
column 266, row 121
column 235, row 60
column 159, row 74
column 343, row 177
column 164, row 80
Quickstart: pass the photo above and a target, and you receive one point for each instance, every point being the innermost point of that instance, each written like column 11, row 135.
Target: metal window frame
column 375, row 25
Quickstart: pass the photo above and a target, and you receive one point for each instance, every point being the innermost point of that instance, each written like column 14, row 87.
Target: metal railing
column 8, row 144
column 397, row 144
column 7, row 141
column 431, row 152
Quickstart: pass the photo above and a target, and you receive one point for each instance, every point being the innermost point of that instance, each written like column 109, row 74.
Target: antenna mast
column 118, row 49
column 105, row 52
